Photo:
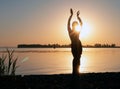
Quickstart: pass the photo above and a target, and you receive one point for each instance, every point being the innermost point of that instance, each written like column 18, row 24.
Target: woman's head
column 74, row 24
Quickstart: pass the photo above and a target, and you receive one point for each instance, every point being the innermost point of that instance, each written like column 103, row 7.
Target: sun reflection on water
column 83, row 63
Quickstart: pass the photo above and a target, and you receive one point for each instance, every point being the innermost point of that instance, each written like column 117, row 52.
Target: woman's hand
column 71, row 11
column 78, row 13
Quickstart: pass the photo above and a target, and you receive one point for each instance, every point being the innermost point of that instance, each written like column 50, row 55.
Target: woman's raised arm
column 80, row 21
column 71, row 11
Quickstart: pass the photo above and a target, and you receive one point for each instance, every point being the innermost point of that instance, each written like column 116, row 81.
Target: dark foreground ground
column 62, row 81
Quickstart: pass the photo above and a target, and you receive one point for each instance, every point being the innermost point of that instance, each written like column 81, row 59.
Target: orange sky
column 44, row 22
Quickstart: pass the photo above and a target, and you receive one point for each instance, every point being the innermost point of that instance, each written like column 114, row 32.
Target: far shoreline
column 59, row 47
column 68, row 47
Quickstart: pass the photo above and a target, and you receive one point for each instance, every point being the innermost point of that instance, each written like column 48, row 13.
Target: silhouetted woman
column 76, row 46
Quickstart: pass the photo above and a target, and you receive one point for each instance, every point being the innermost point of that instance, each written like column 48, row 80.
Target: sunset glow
column 48, row 20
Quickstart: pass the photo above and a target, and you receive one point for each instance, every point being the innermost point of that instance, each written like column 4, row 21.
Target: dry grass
column 8, row 63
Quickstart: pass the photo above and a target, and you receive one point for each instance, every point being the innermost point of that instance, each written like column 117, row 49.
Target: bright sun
column 84, row 30
column 77, row 28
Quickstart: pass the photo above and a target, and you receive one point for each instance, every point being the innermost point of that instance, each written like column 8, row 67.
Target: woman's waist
column 76, row 43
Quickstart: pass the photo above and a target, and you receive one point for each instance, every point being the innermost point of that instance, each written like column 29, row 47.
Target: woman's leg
column 76, row 64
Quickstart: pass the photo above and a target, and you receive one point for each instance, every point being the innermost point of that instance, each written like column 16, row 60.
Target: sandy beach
column 108, row 80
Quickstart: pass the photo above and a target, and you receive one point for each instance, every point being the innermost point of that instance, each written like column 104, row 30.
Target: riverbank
column 62, row 81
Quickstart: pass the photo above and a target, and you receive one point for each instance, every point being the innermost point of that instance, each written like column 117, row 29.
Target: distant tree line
column 42, row 46
column 104, row 45
column 97, row 45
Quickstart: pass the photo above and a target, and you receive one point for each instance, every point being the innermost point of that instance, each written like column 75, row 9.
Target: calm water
column 55, row 61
